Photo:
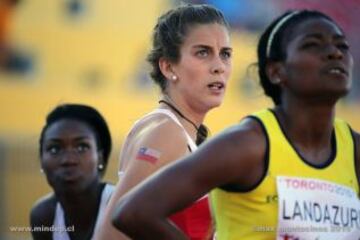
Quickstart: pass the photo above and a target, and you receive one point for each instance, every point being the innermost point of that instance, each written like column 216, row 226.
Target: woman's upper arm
column 150, row 152
column 226, row 158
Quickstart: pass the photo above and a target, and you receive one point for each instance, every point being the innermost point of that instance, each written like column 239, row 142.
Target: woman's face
column 318, row 63
column 70, row 156
column 204, row 66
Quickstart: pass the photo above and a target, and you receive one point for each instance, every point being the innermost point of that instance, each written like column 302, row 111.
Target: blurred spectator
column 248, row 14
column 11, row 60
column 74, row 8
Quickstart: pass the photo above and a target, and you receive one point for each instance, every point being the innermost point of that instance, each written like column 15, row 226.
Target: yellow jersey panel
column 254, row 214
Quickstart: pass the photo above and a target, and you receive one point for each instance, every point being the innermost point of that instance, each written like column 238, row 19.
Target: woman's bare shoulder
column 159, row 133
column 156, row 125
column 43, row 211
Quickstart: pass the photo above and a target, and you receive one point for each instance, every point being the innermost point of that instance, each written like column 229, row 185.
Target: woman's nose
column 333, row 53
column 218, row 66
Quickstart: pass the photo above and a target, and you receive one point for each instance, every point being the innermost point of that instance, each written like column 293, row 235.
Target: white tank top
column 190, row 142
column 60, row 232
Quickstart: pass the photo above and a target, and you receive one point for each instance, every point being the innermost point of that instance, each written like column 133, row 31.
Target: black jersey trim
column 355, row 153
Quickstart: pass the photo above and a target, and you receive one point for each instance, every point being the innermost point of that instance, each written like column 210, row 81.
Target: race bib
column 313, row 209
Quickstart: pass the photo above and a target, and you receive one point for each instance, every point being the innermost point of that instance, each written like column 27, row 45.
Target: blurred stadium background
column 93, row 52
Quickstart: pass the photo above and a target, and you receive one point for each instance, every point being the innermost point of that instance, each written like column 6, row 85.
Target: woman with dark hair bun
column 290, row 172
column 191, row 63
column 75, row 146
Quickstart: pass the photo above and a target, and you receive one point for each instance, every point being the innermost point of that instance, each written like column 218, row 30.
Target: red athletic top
column 195, row 221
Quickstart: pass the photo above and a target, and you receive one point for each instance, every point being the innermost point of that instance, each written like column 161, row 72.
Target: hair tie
column 276, row 29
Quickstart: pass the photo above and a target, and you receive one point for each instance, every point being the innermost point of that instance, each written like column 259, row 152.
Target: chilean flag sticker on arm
column 148, row 154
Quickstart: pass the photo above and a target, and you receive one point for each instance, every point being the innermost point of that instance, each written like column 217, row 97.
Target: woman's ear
column 100, row 164
column 41, row 165
column 275, row 72
column 166, row 69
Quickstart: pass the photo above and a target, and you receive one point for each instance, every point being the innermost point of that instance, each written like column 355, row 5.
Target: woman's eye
column 310, row 45
column 226, row 54
column 202, row 53
column 82, row 147
column 343, row 46
column 53, row 150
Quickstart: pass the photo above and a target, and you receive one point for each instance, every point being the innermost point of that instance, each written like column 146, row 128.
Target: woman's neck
column 197, row 116
column 185, row 116
column 81, row 202
column 81, row 210
column 311, row 125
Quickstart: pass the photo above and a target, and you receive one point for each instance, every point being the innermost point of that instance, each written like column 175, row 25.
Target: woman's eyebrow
column 321, row 36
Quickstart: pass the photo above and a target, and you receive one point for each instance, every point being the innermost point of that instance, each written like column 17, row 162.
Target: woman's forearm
column 139, row 226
